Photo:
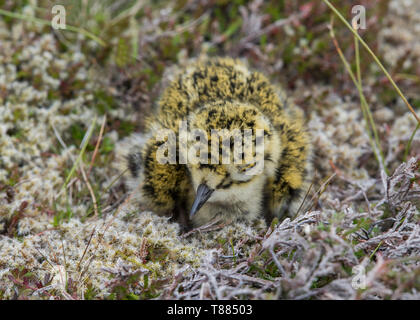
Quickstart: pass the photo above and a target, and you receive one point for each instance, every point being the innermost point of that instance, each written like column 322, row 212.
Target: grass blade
column 378, row 62
column 376, row 147
column 88, row 34
column 408, row 147
column 83, row 146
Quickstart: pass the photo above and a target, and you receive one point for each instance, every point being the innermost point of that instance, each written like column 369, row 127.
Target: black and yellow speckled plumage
column 223, row 93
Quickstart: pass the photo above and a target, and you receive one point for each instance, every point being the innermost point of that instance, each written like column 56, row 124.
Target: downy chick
column 222, row 94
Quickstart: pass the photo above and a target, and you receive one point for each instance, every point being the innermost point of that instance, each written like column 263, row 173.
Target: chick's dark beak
column 203, row 194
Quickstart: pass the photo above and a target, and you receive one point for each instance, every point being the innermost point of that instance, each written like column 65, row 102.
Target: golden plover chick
column 233, row 178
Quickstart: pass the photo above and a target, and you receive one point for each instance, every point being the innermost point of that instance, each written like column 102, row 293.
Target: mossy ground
column 67, row 229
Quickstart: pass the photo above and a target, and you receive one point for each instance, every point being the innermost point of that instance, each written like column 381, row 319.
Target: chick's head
column 232, row 149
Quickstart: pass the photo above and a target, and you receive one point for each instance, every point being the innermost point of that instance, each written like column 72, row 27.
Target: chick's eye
column 225, row 184
column 246, row 167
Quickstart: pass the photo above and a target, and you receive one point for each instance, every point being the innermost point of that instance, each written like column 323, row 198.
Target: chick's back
column 212, row 80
